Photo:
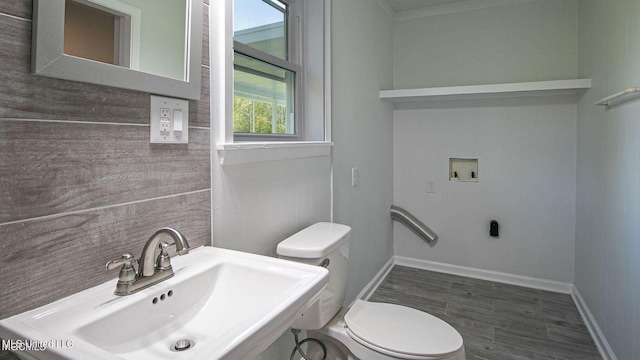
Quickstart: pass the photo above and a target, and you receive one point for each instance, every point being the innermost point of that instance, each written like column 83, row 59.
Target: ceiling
column 403, row 5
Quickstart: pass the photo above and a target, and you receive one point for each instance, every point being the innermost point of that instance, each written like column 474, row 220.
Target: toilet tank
column 321, row 242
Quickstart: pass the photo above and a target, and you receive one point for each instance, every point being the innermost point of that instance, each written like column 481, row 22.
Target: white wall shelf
column 489, row 91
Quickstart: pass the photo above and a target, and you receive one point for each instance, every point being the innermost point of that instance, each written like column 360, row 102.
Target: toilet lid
column 400, row 330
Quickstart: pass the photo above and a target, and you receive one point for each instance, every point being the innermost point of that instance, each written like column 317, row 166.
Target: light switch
column 355, row 177
column 169, row 120
column 177, row 120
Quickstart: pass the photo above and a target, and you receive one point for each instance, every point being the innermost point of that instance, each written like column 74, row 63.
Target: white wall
column 362, row 133
column 526, row 181
column 526, row 147
column 526, row 41
column 257, row 205
column 608, row 179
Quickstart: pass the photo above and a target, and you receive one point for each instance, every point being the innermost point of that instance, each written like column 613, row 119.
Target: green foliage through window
column 258, row 117
column 266, row 76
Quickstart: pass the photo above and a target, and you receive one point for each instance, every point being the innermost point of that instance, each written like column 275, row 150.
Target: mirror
column 153, row 46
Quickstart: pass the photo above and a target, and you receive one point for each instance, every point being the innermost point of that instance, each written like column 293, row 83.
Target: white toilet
column 367, row 330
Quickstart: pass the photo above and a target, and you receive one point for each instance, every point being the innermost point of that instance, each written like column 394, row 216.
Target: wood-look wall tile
column 24, row 95
column 205, row 35
column 47, row 259
column 47, row 168
column 19, row 8
column 199, row 111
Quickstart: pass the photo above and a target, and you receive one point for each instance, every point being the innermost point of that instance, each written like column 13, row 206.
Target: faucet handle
column 125, row 259
column 181, row 243
column 127, row 273
column 163, row 262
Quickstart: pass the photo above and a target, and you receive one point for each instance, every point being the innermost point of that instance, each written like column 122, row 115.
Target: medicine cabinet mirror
column 151, row 46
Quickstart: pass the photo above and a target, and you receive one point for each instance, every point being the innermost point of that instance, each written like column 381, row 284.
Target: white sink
column 231, row 305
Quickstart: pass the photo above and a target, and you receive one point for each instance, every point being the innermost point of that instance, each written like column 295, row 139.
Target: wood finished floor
column 497, row 321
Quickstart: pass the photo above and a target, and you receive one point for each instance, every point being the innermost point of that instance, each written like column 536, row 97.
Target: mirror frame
column 48, row 58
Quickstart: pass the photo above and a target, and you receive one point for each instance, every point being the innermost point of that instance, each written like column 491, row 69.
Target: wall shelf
column 489, row 91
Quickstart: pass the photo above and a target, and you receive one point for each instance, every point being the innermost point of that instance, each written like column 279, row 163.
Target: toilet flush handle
column 325, row 263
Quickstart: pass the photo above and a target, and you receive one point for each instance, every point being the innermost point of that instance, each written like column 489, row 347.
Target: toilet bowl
column 366, row 330
column 377, row 331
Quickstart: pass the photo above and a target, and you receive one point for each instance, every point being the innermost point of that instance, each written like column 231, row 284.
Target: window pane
column 262, row 25
column 263, row 97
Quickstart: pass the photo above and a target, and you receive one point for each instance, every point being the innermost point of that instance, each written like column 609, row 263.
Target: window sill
column 250, row 152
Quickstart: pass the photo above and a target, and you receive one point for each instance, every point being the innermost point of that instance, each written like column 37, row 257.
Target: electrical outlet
column 165, row 126
column 431, row 187
column 169, row 120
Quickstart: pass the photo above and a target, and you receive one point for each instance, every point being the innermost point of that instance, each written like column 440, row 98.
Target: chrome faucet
column 152, row 269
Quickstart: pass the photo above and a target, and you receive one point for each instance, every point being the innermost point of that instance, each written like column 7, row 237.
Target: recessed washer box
column 463, row 170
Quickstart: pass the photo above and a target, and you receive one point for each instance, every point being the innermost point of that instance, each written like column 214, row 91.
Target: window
column 272, row 79
column 263, row 101
column 266, row 75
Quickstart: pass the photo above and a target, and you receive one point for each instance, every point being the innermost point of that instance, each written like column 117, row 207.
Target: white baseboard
column 535, row 283
column 368, row 290
column 598, row 337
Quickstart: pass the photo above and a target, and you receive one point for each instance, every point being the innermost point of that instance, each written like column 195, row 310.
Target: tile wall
column 79, row 181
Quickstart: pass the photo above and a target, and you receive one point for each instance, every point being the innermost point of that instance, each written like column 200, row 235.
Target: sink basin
column 227, row 304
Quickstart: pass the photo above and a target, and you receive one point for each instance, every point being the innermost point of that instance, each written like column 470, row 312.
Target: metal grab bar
column 404, row 217
column 607, row 101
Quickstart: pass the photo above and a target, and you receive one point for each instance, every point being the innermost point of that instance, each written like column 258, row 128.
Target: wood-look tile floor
column 497, row 321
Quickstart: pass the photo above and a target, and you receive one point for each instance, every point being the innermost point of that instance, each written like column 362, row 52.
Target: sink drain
column 182, row 345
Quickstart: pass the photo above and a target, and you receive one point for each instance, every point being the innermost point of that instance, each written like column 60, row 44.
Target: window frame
column 293, row 62
column 230, row 153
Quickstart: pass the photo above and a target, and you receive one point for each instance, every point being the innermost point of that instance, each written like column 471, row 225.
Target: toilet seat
column 400, row 331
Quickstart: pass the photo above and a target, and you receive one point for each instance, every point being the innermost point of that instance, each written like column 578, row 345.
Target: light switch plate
column 355, row 177
column 431, row 186
column 166, row 120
